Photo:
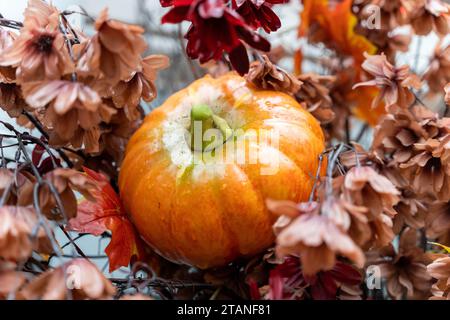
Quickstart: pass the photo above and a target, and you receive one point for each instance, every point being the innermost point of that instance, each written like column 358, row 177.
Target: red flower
column 287, row 281
column 215, row 29
column 258, row 13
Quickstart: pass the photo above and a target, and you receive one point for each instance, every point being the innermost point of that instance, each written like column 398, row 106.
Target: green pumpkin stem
column 203, row 119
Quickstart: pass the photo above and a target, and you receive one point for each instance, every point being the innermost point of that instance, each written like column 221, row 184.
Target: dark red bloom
column 215, row 29
column 167, row 3
column 259, row 14
column 287, row 281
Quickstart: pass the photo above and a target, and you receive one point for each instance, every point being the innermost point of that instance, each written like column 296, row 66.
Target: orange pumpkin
column 206, row 211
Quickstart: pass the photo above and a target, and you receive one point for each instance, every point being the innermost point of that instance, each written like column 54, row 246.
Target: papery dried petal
column 265, row 75
column 79, row 279
column 17, row 225
column 317, row 240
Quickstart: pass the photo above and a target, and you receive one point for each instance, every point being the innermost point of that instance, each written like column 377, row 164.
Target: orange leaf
column 108, row 213
column 336, row 26
column 298, row 62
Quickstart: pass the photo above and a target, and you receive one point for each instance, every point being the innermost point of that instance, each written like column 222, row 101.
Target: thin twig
column 10, row 23
column 41, row 182
column 317, row 178
column 362, row 132
column 36, row 123
column 42, row 131
column 347, row 130
column 162, row 283
column 331, row 165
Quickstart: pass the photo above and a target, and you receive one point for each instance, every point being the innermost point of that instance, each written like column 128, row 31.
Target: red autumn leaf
column 46, row 165
column 108, row 213
column 254, row 290
column 37, row 154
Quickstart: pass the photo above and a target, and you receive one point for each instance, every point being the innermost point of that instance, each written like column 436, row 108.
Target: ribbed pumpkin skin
column 207, row 215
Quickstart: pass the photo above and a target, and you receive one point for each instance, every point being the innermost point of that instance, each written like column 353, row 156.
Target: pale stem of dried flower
column 41, row 182
column 362, row 132
column 2, row 153
column 331, row 165
column 63, row 30
column 417, row 56
column 317, row 177
column 417, row 99
column 347, row 130
column 83, row 13
column 10, row 23
column 5, row 195
column 71, row 29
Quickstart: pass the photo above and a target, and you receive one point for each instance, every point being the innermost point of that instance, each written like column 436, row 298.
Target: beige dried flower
column 65, row 182
column 38, row 53
column 405, row 270
column 429, row 169
column 316, row 239
column 438, row 73
column 17, row 226
column 438, row 220
column 428, row 15
column 115, row 50
column 440, row 269
column 395, row 83
column 71, row 111
column 11, row 99
column 315, row 93
column 78, row 278
column 411, row 212
column 447, row 94
column 399, row 131
column 128, row 93
column 363, row 187
column 116, row 134
column 39, row 13
column 265, row 75
column 392, row 14
column 8, row 73
column 11, row 279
